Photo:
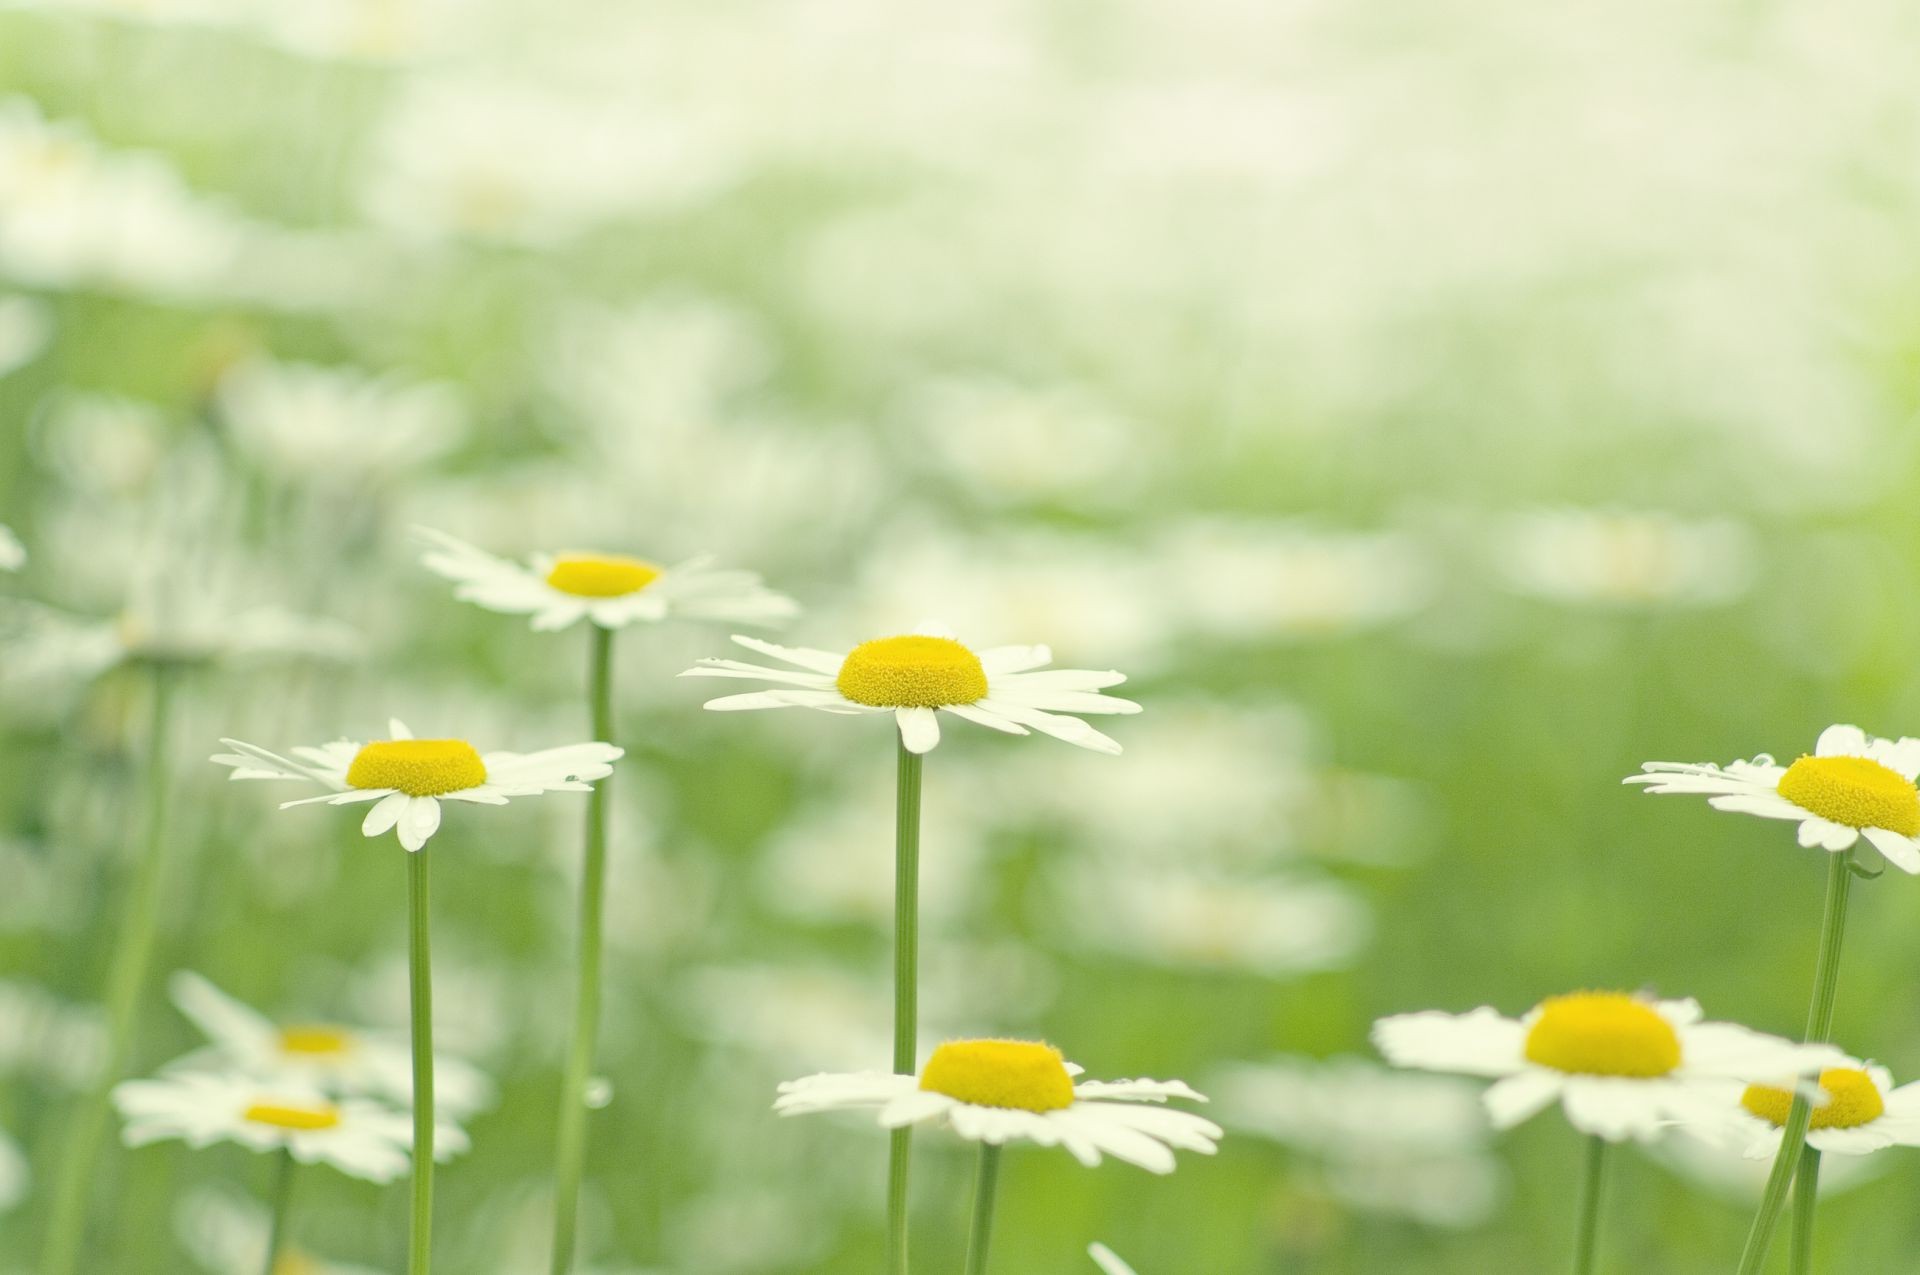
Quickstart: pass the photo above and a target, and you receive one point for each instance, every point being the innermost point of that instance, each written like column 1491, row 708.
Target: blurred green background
column 1436, row 409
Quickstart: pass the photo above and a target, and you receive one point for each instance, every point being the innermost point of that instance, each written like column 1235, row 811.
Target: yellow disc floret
column 912, row 672
column 315, row 1042
column 1856, row 792
column 1852, row 1100
column 601, row 575
column 301, row 1119
column 1024, row 1075
column 418, row 767
column 1603, row 1034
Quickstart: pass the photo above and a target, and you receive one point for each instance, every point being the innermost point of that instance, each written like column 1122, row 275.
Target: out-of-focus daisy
column 1621, row 1066
column 227, row 1234
column 1852, row 785
column 358, row 1137
column 13, row 554
column 1006, row 688
column 1612, row 558
column 1858, row 1112
column 332, row 1059
column 408, row 778
column 1000, row 1091
column 559, row 589
column 311, row 424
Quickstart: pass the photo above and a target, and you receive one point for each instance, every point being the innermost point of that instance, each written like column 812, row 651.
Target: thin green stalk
column 1586, row 1232
column 1806, row 1190
column 1793, row 1137
column 420, row 1233
column 133, row 953
column 571, row 1140
column 985, row 1184
column 906, row 988
column 277, row 1228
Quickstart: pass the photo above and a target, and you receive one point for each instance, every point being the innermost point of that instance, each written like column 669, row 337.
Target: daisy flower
column 1858, row 1112
column 999, row 1091
column 408, row 778
column 613, row 591
column 325, row 1057
column 1621, row 1066
column 1852, row 785
column 1006, row 688
column 360, row 1138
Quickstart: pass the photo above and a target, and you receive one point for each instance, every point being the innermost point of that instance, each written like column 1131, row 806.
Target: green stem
column 985, row 1184
column 1806, row 1190
column 571, row 1140
column 906, row 988
column 420, row 1234
column 1793, row 1137
column 133, row 953
column 1586, row 1233
column 277, row 1228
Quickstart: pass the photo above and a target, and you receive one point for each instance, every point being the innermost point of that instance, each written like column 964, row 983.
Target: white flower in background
column 1857, row 1112
column 408, row 778
column 1615, row 558
column 360, row 1138
column 611, row 590
column 13, row 554
column 1107, row 1260
column 303, row 422
column 1000, row 1091
column 1726, row 1173
column 48, row 1038
column 1008, row 443
column 14, row 1175
column 226, row 1232
column 24, row 329
column 1852, row 785
column 334, row 1060
column 1006, row 688
column 105, row 444
column 1621, row 1066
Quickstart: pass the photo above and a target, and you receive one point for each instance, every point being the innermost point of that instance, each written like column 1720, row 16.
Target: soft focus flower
column 336, row 425
column 13, row 554
column 226, row 1232
column 1611, row 558
column 408, row 778
column 1858, row 1111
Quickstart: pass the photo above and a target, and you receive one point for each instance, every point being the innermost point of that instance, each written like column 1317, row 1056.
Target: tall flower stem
column 1826, row 978
column 906, row 988
column 1806, row 1190
column 133, row 953
column 277, row 1228
column 571, row 1140
column 985, row 1183
column 1586, row 1236
column 420, row 969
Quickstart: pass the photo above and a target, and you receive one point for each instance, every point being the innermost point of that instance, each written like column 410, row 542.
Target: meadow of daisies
column 786, row 638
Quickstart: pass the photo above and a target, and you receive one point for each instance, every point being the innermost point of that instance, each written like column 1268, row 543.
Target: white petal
column 1479, row 1043
column 420, row 820
column 1841, row 741
column 385, row 813
column 1521, row 1097
column 919, row 729
column 1902, row 852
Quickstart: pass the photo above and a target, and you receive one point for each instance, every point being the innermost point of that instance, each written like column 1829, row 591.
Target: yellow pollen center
column 1023, row 1075
column 912, row 672
column 1602, row 1034
column 315, row 1041
column 601, row 575
column 418, row 767
column 1856, row 792
column 1852, row 1100
column 286, row 1116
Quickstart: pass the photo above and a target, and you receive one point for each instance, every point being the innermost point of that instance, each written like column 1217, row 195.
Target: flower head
column 612, row 590
column 1622, row 1066
column 912, row 676
column 1852, row 785
column 408, row 778
column 1000, row 1091
column 1857, row 1111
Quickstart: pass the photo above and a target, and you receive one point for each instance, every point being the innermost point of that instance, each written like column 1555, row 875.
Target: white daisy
column 408, row 778
column 1000, row 1091
column 332, row 1059
column 1622, row 1066
column 1006, row 688
column 1858, row 1112
column 558, row 589
column 358, row 1137
column 1853, row 785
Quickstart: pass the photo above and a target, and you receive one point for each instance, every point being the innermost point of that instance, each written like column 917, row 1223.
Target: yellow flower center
column 601, row 575
column 1021, row 1074
column 1852, row 1100
column 1602, row 1034
column 288, row 1116
column 315, row 1041
column 912, row 672
column 418, row 767
column 1856, row 792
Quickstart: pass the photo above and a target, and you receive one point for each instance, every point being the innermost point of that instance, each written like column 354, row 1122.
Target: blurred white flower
column 13, row 554
column 100, row 443
column 226, row 1233
column 337, row 425
column 42, row 1035
column 1611, row 558
column 25, row 327
column 1006, row 443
